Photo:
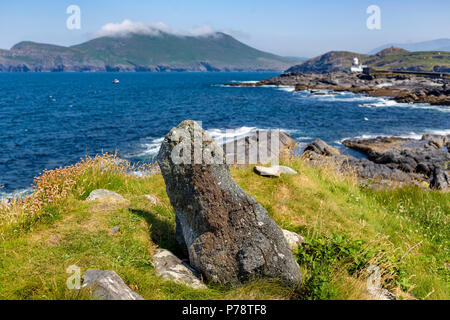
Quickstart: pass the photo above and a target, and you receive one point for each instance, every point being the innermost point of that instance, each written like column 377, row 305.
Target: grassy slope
column 425, row 60
column 220, row 50
column 319, row 204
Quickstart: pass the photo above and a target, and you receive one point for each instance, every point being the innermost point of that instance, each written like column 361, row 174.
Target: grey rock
column 268, row 171
column 321, row 147
column 170, row 267
column 228, row 236
column 363, row 168
column 440, row 179
column 262, row 147
column 152, row 199
column 115, row 230
column 293, row 239
column 381, row 294
column 425, row 157
column 102, row 194
column 274, row 171
column 285, row 170
column 107, row 285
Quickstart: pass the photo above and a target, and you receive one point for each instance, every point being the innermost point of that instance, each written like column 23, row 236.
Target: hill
column 346, row 228
column 387, row 59
column 432, row 45
column 139, row 52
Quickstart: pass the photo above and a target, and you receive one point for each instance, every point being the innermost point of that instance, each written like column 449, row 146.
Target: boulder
column 440, row 179
column 321, row 147
column 285, row 170
column 274, row 171
column 293, row 239
column 228, row 236
column 106, row 195
column 262, row 147
column 115, row 230
column 169, row 267
column 381, row 294
column 152, row 199
column 107, row 285
column 268, row 171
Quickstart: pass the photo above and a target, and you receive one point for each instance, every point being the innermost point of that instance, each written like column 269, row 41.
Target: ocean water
column 52, row 120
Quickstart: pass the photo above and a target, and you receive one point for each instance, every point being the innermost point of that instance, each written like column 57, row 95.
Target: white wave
column 286, row 88
column 221, row 136
column 304, row 138
column 444, row 132
column 384, row 85
column 333, row 96
column 152, row 147
column 406, row 135
column 15, row 194
column 345, row 98
column 385, row 103
column 249, row 81
column 227, row 135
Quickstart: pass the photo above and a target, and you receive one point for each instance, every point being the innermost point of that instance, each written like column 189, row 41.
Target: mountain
column 388, row 59
column 433, row 45
column 140, row 52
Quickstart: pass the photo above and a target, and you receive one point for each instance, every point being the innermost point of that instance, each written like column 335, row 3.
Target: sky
column 298, row 28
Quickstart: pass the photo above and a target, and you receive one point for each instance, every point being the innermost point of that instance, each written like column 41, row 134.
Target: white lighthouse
column 356, row 66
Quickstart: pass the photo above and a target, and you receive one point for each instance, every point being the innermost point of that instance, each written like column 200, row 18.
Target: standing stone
column 228, row 236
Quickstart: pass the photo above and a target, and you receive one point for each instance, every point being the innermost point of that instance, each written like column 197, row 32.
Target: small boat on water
column 115, row 81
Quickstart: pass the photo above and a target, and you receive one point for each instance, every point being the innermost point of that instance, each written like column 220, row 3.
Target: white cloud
column 127, row 27
column 130, row 27
column 201, row 31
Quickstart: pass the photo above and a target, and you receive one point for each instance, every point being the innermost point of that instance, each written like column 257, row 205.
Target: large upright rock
column 229, row 236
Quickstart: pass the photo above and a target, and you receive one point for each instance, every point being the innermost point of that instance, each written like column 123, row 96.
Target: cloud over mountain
column 127, row 27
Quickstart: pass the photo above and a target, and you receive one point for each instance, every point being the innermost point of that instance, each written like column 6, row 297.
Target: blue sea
column 52, row 120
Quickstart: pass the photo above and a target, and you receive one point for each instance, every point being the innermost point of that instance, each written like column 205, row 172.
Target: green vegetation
column 346, row 228
column 388, row 59
column 423, row 61
column 217, row 51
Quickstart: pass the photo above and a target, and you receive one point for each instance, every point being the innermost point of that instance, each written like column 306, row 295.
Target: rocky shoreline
column 391, row 161
column 385, row 162
column 401, row 88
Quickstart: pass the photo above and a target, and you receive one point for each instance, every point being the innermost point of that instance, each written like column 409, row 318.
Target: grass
column 346, row 227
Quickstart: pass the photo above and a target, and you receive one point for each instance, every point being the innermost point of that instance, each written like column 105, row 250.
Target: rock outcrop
column 409, row 155
column 228, row 236
column 262, row 147
column 107, row 285
column 401, row 88
column 390, row 159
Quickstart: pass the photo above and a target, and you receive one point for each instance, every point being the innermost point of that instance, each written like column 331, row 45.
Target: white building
column 356, row 66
